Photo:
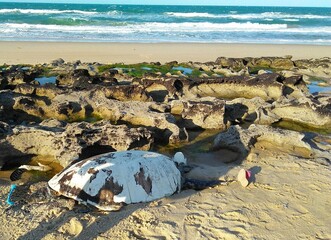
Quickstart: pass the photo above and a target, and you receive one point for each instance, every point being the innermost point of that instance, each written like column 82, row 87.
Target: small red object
column 248, row 174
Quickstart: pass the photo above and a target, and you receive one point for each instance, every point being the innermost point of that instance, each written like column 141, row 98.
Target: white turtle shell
column 128, row 176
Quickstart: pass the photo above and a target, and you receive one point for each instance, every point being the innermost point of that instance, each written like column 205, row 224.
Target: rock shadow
column 254, row 171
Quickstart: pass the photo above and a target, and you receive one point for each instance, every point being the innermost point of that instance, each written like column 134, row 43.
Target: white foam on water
column 44, row 11
column 247, row 16
column 193, row 14
column 151, row 27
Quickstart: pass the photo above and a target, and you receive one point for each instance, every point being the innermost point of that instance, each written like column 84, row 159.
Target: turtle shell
column 105, row 181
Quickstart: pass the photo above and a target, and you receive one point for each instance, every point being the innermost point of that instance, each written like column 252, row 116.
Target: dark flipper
column 16, row 175
column 201, row 184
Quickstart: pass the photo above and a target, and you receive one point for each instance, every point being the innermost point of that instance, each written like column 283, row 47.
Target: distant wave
column 164, row 27
column 150, row 27
column 44, row 11
column 193, row 14
column 234, row 15
column 276, row 15
column 290, row 20
column 218, row 27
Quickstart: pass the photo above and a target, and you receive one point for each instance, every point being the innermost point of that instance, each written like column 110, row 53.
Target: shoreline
column 17, row 52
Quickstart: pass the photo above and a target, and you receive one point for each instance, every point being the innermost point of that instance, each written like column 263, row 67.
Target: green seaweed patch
column 47, row 72
column 141, row 69
column 133, row 70
column 3, row 67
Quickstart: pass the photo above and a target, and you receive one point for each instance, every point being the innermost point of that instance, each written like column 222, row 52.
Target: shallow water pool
column 44, row 80
column 315, row 88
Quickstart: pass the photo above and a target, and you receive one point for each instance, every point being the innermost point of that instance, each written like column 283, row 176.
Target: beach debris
column 16, row 175
column 244, row 177
column 12, row 189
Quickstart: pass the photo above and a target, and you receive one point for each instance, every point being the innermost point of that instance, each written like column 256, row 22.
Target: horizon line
column 152, row 4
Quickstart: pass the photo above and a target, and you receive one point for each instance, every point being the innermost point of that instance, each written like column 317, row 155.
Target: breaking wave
column 45, row 11
column 235, row 15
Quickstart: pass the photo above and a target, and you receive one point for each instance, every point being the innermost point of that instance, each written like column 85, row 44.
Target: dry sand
column 289, row 198
column 41, row 52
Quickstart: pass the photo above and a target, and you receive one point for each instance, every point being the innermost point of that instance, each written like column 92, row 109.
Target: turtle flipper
column 17, row 174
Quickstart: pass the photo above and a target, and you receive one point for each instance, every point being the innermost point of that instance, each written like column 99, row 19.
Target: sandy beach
column 244, row 92
column 44, row 52
column 288, row 196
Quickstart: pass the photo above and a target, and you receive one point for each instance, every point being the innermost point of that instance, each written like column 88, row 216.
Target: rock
column 282, row 63
column 262, row 71
column 53, row 123
column 57, row 62
column 77, row 78
column 207, row 113
column 263, row 138
column 235, row 139
column 136, row 113
column 4, row 129
column 261, row 62
column 287, row 73
column 264, row 116
column 305, row 111
column 163, row 89
column 25, row 89
column 271, row 62
column 126, row 93
column 295, row 87
column 314, row 67
column 80, row 105
column 226, row 72
column 233, row 63
column 266, row 86
column 203, row 75
column 65, row 143
column 17, row 75
column 252, row 110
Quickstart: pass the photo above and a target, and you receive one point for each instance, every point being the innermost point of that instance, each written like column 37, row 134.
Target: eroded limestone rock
column 305, row 111
column 66, row 142
column 263, row 138
column 266, row 86
column 207, row 113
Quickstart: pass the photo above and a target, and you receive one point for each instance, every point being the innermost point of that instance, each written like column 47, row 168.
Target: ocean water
column 138, row 23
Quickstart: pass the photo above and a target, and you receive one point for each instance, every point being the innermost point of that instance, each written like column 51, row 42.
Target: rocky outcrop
column 126, row 93
column 207, row 113
column 254, row 110
column 65, row 142
column 263, row 138
column 306, row 111
column 266, row 86
column 271, row 62
column 15, row 75
column 158, row 107
column 314, row 67
column 48, row 90
column 77, row 106
column 163, row 89
column 267, row 62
